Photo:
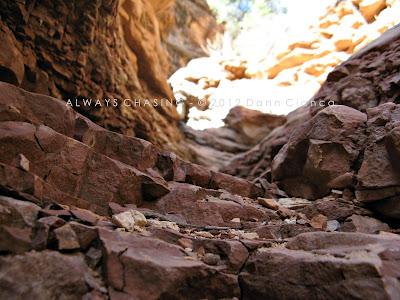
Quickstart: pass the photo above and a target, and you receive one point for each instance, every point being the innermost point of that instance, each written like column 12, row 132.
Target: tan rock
column 371, row 8
column 66, row 237
column 163, row 224
column 130, row 220
column 319, row 222
column 268, row 203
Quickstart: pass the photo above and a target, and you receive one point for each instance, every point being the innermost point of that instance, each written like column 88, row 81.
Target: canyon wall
column 104, row 50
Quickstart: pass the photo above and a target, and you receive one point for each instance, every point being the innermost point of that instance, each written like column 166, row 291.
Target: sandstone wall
column 99, row 50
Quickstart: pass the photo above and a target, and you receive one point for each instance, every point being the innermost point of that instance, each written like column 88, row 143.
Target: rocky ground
column 96, row 214
column 306, row 207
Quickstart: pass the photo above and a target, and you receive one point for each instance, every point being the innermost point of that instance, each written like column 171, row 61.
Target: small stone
column 23, row 163
column 130, row 220
column 294, row 203
column 268, row 203
column 93, row 257
column 319, row 222
column 301, row 221
column 66, row 237
column 163, row 224
column 248, row 235
column 211, row 259
column 290, row 221
column 85, row 215
column 204, row 234
column 235, row 220
column 332, row 225
column 185, row 243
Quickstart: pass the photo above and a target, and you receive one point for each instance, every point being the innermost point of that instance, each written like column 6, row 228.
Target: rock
column 130, row 220
column 66, row 238
column 294, row 203
column 11, row 60
column 268, row 203
column 312, row 260
column 211, row 259
column 194, row 25
column 163, row 224
column 171, row 275
column 21, row 213
column 50, row 276
column 248, row 122
column 363, row 224
column 85, row 216
column 23, row 163
column 319, row 156
column 319, row 222
column 127, row 63
column 332, row 225
column 17, row 219
column 86, row 235
column 371, row 8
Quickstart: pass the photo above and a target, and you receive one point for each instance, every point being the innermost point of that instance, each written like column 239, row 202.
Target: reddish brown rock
column 147, row 268
column 17, row 219
column 348, row 265
column 45, row 275
column 252, row 124
column 363, row 224
column 116, row 55
column 200, row 206
column 319, row 156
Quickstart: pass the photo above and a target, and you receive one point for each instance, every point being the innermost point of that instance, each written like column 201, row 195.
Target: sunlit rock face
column 287, row 76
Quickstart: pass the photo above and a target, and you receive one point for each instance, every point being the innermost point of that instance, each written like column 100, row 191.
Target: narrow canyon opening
column 199, row 149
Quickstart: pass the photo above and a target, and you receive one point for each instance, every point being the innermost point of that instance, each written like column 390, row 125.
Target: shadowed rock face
column 104, row 50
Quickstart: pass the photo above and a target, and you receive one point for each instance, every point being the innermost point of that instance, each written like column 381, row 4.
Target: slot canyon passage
column 153, row 201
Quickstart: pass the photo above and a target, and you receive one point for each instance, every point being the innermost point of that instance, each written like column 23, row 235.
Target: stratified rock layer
column 106, row 50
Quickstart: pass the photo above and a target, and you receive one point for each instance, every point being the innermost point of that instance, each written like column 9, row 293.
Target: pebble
column 268, row 203
column 211, row 259
column 332, row 225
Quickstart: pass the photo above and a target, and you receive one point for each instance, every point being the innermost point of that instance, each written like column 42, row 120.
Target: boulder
column 319, row 156
column 324, row 265
column 148, row 268
column 50, row 275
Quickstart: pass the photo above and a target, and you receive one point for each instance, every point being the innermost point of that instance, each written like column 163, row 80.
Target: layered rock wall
column 102, row 50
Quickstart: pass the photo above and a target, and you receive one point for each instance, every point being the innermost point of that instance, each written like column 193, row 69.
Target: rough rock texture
column 243, row 129
column 280, row 273
column 99, row 215
column 350, row 147
column 194, row 27
column 345, row 28
column 103, row 50
column 89, row 213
